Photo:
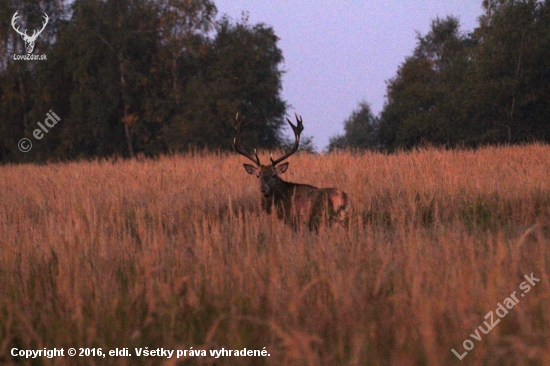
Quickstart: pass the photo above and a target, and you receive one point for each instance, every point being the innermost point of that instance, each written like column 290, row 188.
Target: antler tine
column 44, row 23
column 297, row 131
column 13, row 21
column 236, row 143
column 37, row 32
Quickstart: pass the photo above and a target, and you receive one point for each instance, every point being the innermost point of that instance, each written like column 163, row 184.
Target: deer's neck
column 282, row 190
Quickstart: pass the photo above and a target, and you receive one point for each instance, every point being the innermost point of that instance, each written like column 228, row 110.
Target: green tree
column 337, row 142
column 361, row 131
column 239, row 72
column 184, row 25
column 19, row 94
column 424, row 100
column 511, row 71
column 487, row 87
column 139, row 76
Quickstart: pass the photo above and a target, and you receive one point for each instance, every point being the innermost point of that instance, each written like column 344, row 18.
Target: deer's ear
column 250, row 169
column 282, row 168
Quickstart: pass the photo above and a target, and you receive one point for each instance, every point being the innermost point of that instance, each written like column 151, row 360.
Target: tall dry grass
column 175, row 253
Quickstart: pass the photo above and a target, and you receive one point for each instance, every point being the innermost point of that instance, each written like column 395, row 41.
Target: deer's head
column 29, row 40
column 267, row 175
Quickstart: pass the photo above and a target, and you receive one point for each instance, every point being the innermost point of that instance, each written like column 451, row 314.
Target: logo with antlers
column 29, row 40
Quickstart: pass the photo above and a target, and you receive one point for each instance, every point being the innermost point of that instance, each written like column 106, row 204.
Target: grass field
column 175, row 253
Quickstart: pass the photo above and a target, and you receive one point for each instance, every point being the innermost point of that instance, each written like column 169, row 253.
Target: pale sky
column 339, row 53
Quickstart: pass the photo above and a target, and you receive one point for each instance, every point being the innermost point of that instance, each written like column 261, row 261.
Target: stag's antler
column 297, row 131
column 237, row 143
column 35, row 34
column 13, row 20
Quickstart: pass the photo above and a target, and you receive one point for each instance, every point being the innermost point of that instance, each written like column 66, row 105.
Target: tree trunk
column 23, row 102
column 125, row 119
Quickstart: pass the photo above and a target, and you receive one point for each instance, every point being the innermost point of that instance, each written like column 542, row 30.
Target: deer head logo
column 29, row 40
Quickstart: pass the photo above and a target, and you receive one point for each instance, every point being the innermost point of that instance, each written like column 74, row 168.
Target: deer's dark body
column 302, row 203
column 295, row 203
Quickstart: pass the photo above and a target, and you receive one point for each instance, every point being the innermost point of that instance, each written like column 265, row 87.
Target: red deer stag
column 295, row 203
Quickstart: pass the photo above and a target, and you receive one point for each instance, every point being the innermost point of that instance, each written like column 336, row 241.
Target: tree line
column 489, row 86
column 131, row 77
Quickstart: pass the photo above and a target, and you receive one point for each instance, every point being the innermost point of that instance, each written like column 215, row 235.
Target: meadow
column 175, row 253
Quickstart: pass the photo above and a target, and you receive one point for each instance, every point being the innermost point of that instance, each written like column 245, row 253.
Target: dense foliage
column 137, row 77
column 490, row 86
column 150, row 77
column 360, row 131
